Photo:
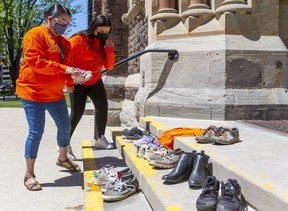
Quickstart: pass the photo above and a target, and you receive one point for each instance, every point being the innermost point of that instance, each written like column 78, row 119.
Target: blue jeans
column 35, row 115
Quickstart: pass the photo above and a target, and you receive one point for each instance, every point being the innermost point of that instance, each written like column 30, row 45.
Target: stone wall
column 138, row 40
column 115, row 9
column 114, row 80
column 232, row 61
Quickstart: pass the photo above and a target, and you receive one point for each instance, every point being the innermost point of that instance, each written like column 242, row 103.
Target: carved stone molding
column 166, row 10
column 166, row 17
column 197, row 9
column 134, row 10
column 198, row 13
column 234, row 6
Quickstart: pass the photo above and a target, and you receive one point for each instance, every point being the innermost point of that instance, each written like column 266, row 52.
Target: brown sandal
column 67, row 164
column 30, row 186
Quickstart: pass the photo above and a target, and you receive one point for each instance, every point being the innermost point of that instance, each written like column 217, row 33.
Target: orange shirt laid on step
column 91, row 58
column 42, row 76
column 167, row 138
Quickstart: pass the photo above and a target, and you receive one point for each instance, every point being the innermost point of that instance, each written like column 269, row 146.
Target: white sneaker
column 153, row 153
column 103, row 143
column 104, row 175
column 70, row 154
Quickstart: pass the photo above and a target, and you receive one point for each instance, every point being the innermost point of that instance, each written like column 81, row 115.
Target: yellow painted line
column 173, row 207
column 115, row 132
column 157, row 125
column 149, row 173
column 284, row 194
column 269, row 186
column 145, row 119
column 115, row 129
column 93, row 199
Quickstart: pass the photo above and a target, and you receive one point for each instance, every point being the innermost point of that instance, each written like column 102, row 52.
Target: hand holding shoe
column 70, row 70
column 81, row 76
column 78, row 75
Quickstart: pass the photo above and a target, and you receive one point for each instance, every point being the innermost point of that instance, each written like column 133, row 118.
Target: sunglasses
column 61, row 22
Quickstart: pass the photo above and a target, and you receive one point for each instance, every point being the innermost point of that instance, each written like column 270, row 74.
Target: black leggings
column 78, row 98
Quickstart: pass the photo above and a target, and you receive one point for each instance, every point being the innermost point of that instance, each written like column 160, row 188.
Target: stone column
column 234, row 6
column 198, row 13
column 197, row 8
column 167, row 6
column 166, row 17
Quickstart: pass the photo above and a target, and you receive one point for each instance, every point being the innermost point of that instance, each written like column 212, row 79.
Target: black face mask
column 59, row 29
column 101, row 36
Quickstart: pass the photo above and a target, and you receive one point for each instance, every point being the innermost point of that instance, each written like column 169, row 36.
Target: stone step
column 94, row 159
column 161, row 196
column 258, row 162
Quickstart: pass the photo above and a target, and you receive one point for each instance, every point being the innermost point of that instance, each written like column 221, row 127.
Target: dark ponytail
column 99, row 20
column 56, row 10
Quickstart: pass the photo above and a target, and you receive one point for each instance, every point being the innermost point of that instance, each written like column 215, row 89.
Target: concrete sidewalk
column 62, row 190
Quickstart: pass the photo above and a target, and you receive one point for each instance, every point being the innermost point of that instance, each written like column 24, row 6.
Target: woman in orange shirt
column 45, row 68
column 92, row 50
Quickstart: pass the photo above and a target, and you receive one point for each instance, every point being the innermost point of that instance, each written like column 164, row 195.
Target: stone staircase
column 258, row 163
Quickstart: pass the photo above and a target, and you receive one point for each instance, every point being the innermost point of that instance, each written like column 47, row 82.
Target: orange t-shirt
column 42, row 76
column 167, row 138
column 88, row 58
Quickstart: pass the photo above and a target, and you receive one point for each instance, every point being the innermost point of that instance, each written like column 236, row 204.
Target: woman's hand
column 70, row 89
column 109, row 43
column 70, row 70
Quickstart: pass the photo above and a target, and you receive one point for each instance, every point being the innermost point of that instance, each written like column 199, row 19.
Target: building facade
column 232, row 59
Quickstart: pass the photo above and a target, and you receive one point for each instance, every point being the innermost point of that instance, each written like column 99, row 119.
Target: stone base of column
column 114, row 110
column 217, row 104
column 224, row 77
column 115, row 88
column 128, row 115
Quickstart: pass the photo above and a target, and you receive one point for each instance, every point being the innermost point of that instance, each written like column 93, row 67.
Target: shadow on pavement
column 75, row 179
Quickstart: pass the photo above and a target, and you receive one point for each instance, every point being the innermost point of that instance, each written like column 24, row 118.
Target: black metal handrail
column 172, row 55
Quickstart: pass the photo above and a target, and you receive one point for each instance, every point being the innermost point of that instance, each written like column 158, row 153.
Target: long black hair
column 56, row 10
column 99, row 20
